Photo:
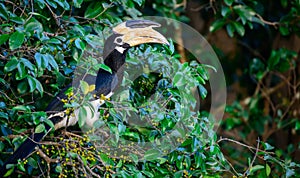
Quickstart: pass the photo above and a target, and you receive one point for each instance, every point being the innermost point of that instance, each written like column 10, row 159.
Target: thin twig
column 275, row 24
column 53, row 14
column 86, row 167
column 254, row 158
column 211, row 2
column 46, row 158
column 200, row 7
column 242, row 144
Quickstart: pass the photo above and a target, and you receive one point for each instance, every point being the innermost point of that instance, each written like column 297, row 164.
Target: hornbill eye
column 119, row 40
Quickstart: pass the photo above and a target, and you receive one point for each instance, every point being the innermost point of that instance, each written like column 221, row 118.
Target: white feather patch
column 92, row 118
column 120, row 49
column 73, row 118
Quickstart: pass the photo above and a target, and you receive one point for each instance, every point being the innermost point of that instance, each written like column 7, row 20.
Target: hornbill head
column 132, row 33
column 125, row 35
column 136, row 32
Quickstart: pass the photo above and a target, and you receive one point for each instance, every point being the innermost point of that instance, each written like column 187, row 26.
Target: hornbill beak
column 136, row 32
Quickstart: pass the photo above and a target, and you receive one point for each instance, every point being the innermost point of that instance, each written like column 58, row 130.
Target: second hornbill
column 125, row 35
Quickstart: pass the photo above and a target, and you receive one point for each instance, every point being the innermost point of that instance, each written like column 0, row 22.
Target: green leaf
column 58, row 169
column 16, row 40
column 84, row 160
column 39, row 15
column 84, row 86
column 274, row 59
column 256, row 20
column 228, row 2
column 45, row 61
column 52, row 3
column 49, row 122
column 267, row 146
column 148, row 174
column 171, row 47
column 41, row 3
column 21, row 166
column 93, row 10
column 82, row 114
column 72, row 105
column 34, row 26
column 27, row 63
column 177, row 80
column 79, row 44
column 297, row 127
column 217, row 25
column 178, row 174
column 3, row 115
column 203, row 91
column 72, row 154
column 1, row 146
column 31, row 83
column 3, row 38
column 32, row 162
column 17, row 20
column 3, row 12
column 38, row 59
column 105, row 5
column 284, row 65
column 135, row 158
column 230, row 29
column 244, row 12
column 21, row 108
column 179, row 163
column 54, row 41
column 284, row 3
column 51, row 61
column 22, row 72
column 256, row 168
column 39, row 86
column 225, row 11
column 139, row 2
column 284, row 30
column 63, row 3
column 250, row 25
column 239, row 28
column 2, row 105
column 105, row 159
column 93, row 40
column 60, row 78
column 35, row 84
column 77, row 3
column 10, row 171
column 268, row 170
column 105, row 67
column 289, row 172
column 162, row 160
column 40, row 128
column 79, row 29
column 11, row 65
column 152, row 154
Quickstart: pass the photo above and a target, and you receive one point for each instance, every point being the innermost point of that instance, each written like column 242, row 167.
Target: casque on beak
column 136, row 32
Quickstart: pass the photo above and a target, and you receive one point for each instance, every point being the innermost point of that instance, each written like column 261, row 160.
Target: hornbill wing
column 104, row 85
column 57, row 105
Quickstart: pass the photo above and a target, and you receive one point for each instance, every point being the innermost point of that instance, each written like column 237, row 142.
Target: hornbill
column 125, row 35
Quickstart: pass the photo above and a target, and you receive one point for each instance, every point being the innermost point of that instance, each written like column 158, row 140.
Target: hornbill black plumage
column 125, row 35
